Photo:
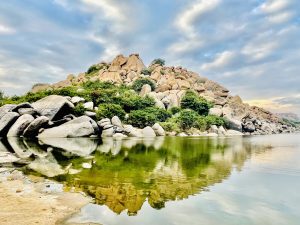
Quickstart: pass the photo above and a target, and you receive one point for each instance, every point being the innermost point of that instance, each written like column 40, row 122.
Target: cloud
column 251, row 47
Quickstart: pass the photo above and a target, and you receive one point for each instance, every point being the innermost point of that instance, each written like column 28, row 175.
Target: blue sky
column 252, row 47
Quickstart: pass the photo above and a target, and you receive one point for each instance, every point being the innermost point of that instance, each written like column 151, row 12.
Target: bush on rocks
column 131, row 101
column 192, row 101
column 109, row 110
column 78, row 110
column 187, row 118
column 159, row 61
column 139, row 83
column 175, row 110
column 141, row 118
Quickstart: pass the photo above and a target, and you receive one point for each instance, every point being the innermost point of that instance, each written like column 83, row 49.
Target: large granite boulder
column 159, row 131
column 20, row 125
column 54, row 106
column 7, row 121
column 148, row 132
column 80, row 127
column 33, row 128
column 5, row 109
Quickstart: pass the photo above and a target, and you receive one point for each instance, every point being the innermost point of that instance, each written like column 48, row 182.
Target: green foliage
column 109, row 110
column 196, row 103
column 139, row 83
column 171, row 125
column 141, row 118
column 93, row 69
column 95, row 85
column 159, row 61
column 1, row 95
column 146, row 71
column 187, row 118
column 215, row 120
column 175, row 110
column 79, row 110
column 132, row 101
column 66, row 91
column 147, row 116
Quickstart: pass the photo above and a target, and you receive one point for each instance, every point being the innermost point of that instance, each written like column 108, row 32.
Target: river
column 174, row 180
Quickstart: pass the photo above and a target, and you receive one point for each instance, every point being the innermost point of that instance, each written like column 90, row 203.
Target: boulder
column 145, row 90
column 30, row 111
column 108, row 131
column 89, row 105
column 90, row 114
column 148, row 132
column 20, row 106
column 159, row 131
column 53, row 106
column 182, row 134
column 5, row 109
column 215, row 111
column 104, row 122
column 159, row 104
column 133, row 132
column 20, row 125
column 7, row 157
column 213, row 129
column 248, row 126
column 77, row 99
column 6, row 122
column 134, row 63
column 33, row 128
column 221, row 131
column 234, row 124
column 82, row 126
column 116, row 121
column 119, row 135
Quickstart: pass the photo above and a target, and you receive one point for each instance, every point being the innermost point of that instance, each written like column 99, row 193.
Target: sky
column 252, row 47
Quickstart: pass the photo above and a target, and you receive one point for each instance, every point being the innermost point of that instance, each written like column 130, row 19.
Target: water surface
column 175, row 180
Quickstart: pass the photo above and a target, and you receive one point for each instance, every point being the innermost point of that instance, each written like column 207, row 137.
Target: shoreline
column 35, row 200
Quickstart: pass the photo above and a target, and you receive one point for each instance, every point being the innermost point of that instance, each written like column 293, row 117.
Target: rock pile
column 171, row 85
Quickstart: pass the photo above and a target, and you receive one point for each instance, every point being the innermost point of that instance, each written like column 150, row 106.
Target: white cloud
column 185, row 20
column 272, row 6
column 4, row 29
column 222, row 60
column 281, row 17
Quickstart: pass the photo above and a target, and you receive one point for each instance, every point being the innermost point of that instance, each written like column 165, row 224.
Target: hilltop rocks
column 20, row 125
column 79, row 127
column 53, row 106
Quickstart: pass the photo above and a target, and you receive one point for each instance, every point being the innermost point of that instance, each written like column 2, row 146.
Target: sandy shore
column 33, row 200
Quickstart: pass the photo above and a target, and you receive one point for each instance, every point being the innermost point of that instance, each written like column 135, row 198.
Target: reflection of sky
column 264, row 192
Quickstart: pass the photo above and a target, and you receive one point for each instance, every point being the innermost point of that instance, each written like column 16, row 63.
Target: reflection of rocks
column 19, row 147
column 76, row 146
column 47, row 166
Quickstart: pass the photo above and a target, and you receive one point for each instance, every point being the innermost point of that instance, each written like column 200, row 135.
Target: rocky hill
column 171, row 85
column 125, row 98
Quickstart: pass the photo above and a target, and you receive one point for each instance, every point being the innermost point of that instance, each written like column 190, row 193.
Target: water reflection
column 123, row 174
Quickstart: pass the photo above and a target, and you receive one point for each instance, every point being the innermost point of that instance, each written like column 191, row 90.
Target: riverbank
column 35, row 200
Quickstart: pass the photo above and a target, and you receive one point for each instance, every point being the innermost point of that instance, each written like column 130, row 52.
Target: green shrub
column 159, row 61
column 146, row 71
column 132, row 101
column 95, row 85
column 196, row 103
column 160, row 114
column 215, row 120
column 78, row 110
column 93, row 69
column 66, row 91
column 187, row 118
column 200, row 123
column 175, row 110
column 171, row 125
column 139, row 83
column 141, row 118
column 110, row 110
